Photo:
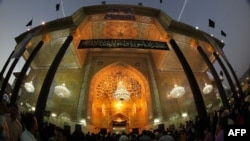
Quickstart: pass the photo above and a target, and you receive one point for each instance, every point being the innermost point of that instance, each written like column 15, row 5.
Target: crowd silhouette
column 16, row 126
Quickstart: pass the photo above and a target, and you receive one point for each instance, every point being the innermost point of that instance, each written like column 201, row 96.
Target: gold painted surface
column 106, row 109
column 144, row 28
column 165, row 67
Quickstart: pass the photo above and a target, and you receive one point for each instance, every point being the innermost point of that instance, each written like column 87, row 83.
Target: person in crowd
column 190, row 131
column 14, row 124
column 214, row 121
column 133, row 137
column 123, row 137
column 108, row 137
column 226, row 113
column 208, row 136
column 144, row 136
column 47, row 132
column 77, row 135
column 4, row 130
column 157, row 134
column 246, row 111
column 166, row 136
column 182, row 132
column 60, row 134
column 222, row 124
column 30, row 128
column 88, row 136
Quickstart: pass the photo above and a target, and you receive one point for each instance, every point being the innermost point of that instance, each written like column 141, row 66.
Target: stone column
column 23, row 72
column 42, row 98
column 215, row 75
column 198, row 99
column 235, row 96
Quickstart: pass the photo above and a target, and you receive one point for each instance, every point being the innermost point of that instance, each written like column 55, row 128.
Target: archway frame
column 144, row 101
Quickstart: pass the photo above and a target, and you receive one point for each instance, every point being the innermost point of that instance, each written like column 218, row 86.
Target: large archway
column 119, row 89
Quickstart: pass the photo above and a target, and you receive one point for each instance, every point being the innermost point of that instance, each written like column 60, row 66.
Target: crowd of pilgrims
column 16, row 126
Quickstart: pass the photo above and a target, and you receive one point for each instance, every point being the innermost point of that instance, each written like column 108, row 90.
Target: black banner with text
column 122, row 43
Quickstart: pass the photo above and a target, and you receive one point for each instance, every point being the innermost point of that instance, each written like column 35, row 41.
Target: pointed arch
column 103, row 107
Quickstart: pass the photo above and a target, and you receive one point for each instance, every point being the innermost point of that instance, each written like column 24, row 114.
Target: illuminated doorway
column 119, row 92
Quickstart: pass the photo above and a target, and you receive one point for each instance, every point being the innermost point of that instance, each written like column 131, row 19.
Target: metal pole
column 42, row 98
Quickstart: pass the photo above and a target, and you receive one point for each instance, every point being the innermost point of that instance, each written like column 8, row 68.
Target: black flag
column 211, row 23
column 223, row 33
column 29, row 23
column 57, row 7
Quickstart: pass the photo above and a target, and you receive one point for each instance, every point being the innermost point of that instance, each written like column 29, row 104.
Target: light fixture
column 121, row 92
column 177, row 91
column 83, row 122
column 118, row 84
column 29, row 87
column 184, row 115
column 62, row 91
column 207, row 88
column 156, row 120
column 53, row 115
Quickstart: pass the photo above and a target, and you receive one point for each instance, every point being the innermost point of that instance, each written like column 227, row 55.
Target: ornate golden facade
column 92, row 74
